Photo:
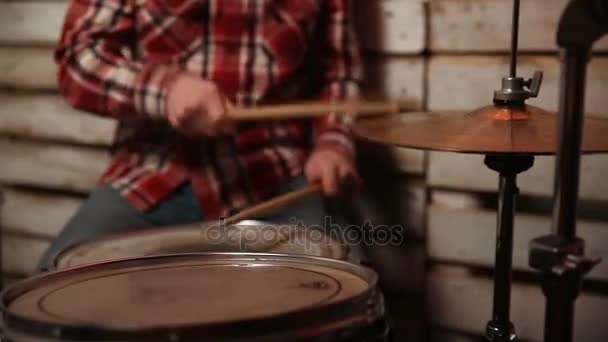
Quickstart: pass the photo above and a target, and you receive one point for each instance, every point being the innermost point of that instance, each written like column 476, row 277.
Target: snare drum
column 199, row 297
column 244, row 237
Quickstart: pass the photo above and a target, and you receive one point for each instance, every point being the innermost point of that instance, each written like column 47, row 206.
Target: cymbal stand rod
column 500, row 328
column 561, row 256
column 501, row 324
column 516, row 90
column 514, row 38
column 1, row 241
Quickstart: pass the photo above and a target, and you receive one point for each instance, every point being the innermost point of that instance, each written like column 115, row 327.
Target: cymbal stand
column 561, row 256
column 500, row 328
column 515, row 91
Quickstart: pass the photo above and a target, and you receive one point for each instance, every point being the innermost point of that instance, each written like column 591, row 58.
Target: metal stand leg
column 559, row 307
column 561, row 256
column 1, row 241
column 500, row 328
column 564, row 265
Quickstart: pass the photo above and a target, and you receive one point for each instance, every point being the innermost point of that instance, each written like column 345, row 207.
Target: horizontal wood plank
column 476, row 232
column 31, row 22
column 27, row 68
column 391, row 26
column 455, row 199
column 468, row 82
column 464, row 302
column 468, row 172
column 51, row 166
column 485, row 25
column 20, row 255
column 399, row 78
column 47, row 213
column 49, row 117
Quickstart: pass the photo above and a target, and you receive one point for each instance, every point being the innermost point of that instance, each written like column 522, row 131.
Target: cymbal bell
column 488, row 130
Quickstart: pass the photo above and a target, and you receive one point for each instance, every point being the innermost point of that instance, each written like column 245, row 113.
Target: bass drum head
column 244, row 237
column 194, row 297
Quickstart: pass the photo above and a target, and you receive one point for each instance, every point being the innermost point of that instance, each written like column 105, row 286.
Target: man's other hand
column 332, row 169
column 196, row 107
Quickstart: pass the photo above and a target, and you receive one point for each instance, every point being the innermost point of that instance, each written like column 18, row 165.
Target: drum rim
column 56, row 258
column 362, row 307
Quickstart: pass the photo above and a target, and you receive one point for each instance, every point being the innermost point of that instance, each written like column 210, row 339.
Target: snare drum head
column 180, row 291
column 244, row 237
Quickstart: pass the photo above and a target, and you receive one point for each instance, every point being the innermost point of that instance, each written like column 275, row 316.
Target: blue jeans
column 105, row 211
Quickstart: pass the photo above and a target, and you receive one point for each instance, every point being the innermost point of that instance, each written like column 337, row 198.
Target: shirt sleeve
column 342, row 74
column 95, row 70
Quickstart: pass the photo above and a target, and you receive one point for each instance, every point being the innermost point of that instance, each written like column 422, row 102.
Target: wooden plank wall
column 432, row 54
column 50, row 154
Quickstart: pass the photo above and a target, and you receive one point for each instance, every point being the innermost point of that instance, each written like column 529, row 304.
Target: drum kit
column 174, row 285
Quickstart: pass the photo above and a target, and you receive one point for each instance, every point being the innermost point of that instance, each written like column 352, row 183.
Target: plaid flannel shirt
column 116, row 58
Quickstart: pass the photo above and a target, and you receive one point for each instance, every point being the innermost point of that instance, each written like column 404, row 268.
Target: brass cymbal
column 488, row 130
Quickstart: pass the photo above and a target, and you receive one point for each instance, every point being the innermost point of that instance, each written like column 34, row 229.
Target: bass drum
column 244, row 237
column 199, row 297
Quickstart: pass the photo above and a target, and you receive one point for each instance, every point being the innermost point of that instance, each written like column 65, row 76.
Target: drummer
column 170, row 71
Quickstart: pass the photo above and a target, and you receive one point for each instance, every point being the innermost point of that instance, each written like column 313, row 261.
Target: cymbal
column 489, row 130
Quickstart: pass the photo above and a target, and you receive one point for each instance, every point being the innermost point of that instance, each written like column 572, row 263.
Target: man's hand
column 331, row 168
column 197, row 107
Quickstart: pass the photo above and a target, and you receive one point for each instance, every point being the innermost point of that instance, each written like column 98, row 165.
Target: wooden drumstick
column 272, row 205
column 314, row 109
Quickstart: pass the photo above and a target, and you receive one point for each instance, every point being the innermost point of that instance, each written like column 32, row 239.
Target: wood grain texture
column 475, row 230
column 468, row 82
column 400, row 78
column 31, row 22
column 20, row 255
column 464, row 302
column 468, row 172
column 455, row 199
column 485, row 25
column 51, row 166
column 47, row 213
column 49, row 117
column 392, row 26
column 27, row 68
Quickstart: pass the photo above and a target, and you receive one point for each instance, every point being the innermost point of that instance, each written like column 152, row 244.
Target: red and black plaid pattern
column 116, row 57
